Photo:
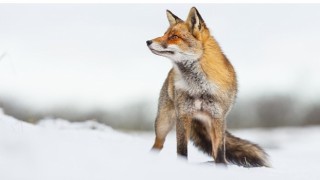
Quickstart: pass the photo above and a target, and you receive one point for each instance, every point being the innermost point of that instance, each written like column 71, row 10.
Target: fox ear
column 195, row 21
column 173, row 19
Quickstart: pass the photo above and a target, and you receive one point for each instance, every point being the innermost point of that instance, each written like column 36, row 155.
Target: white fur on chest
column 180, row 83
column 203, row 85
column 197, row 104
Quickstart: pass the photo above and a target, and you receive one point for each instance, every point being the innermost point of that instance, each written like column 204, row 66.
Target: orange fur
column 215, row 65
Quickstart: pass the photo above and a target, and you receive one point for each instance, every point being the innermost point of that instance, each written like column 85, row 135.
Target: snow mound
column 56, row 149
column 64, row 124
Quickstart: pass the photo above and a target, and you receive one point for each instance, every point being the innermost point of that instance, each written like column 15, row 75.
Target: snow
column 56, row 149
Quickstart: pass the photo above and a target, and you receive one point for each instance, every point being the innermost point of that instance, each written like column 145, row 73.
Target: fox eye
column 173, row 37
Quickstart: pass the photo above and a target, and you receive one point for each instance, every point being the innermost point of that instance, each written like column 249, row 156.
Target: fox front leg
column 183, row 126
column 164, row 123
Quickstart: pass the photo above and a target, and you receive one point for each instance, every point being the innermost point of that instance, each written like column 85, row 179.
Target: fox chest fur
column 195, row 94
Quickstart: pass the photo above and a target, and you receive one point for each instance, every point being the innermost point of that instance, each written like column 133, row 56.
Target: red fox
column 198, row 94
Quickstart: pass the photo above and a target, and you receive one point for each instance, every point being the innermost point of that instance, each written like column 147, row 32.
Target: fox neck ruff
column 190, row 77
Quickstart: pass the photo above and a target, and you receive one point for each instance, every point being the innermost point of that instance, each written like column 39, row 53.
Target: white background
column 95, row 55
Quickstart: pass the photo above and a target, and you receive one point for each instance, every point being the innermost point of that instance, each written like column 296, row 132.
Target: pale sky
column 96, row 55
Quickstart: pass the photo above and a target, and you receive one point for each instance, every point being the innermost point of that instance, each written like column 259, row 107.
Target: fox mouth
column 161, row 52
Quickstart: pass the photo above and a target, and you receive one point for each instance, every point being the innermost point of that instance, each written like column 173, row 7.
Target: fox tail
column 238, row 151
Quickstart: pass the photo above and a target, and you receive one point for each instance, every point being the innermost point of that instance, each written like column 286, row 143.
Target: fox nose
column 149, row 42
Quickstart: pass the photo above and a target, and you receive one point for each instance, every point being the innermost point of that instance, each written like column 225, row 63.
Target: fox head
column 183, row 40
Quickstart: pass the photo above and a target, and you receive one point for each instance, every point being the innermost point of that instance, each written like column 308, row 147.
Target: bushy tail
column 244, row 153
column 238, row 151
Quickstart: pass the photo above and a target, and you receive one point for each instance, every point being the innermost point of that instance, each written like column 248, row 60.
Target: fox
column 198, row 93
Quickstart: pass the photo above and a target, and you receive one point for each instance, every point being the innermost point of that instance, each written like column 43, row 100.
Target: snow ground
column 60, row 150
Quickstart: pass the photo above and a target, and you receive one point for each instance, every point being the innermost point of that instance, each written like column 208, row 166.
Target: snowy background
column 89, row 63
